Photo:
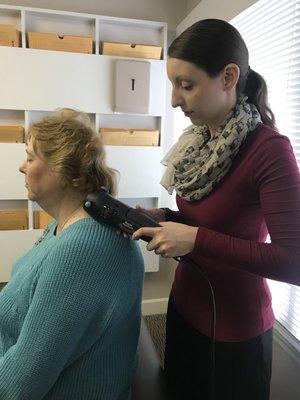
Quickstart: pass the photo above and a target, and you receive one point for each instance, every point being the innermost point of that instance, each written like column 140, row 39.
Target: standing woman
column 236, row 181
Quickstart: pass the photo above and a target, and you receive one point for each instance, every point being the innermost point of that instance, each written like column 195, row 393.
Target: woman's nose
column 176, row 99
column 22, row 167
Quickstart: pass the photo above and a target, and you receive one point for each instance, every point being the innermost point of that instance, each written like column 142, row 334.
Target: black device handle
column 139, row 220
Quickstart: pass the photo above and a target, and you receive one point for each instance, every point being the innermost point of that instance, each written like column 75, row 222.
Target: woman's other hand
column 169, row 240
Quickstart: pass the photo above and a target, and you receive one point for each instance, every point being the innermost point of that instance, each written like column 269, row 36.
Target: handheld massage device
column 104, row 208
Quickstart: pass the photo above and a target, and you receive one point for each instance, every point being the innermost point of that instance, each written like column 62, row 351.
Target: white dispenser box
column 132, row 86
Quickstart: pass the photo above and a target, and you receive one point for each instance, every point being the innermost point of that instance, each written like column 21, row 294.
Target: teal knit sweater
column 70, row 317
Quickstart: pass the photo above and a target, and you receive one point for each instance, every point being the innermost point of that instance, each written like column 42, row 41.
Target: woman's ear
column 230, row 77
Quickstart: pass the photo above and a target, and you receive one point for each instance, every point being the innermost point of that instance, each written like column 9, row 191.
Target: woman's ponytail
column 257, row 92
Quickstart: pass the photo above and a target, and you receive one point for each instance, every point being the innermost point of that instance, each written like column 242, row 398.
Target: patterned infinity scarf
column 197, row 162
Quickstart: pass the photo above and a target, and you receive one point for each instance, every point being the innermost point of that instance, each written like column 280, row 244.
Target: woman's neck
column 214, row 125
column 66, row 210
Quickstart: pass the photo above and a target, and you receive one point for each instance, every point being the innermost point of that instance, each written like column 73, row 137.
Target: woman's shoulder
column 90, row 248
column 86, row 230
column 271, row 153
column 89, row 238
column 267, row 143
column 264, row 134
column 89, row 232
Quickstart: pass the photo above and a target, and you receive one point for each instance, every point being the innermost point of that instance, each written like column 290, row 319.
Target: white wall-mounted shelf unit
column 36, row 82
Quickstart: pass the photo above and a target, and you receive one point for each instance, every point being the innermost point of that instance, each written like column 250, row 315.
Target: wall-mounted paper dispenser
column 132, row 86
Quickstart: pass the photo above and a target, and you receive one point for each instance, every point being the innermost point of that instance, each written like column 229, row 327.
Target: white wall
column 214, row 9
column 191, row 4
column 170, row 11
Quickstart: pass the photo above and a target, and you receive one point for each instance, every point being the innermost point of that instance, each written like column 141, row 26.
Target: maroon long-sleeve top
column 259, row 195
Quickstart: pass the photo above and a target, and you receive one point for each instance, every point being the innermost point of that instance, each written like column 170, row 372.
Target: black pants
column 243, row 369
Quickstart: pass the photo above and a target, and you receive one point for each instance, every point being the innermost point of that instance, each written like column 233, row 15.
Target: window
column 271, row 30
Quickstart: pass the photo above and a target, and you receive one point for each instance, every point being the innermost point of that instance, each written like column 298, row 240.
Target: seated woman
column 70, row 315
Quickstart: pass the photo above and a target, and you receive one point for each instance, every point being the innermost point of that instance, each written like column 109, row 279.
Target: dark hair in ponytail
column 211, row 44
column 257, row 92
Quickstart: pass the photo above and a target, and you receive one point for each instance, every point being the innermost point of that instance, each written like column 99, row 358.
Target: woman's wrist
column 193, row 236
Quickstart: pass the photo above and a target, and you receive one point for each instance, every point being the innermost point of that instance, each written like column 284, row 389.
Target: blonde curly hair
column 73, row 150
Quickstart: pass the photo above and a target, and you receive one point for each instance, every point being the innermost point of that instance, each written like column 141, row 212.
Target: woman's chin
column 31, row 196
column 196, row 120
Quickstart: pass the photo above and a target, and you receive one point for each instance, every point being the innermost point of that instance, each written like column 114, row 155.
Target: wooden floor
column 157, row 328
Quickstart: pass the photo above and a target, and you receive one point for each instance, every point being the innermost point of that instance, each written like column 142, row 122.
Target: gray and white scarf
column 197, row 162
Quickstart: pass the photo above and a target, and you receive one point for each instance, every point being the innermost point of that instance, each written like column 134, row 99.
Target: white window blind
column 271, row 30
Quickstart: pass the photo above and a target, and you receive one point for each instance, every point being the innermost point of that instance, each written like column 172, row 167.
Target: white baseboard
column 155, row 306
